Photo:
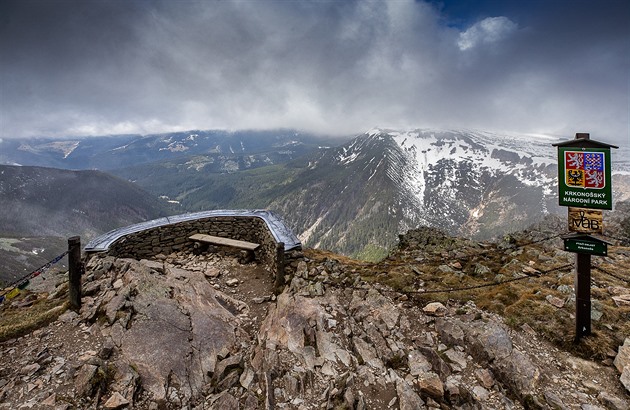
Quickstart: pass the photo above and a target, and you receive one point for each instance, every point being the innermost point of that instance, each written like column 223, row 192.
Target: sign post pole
column 74, row 272
column 584, row 181
column 582, row 295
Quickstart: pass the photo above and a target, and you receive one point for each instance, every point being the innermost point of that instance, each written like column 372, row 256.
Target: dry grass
column 16, row 322
column 522, row 302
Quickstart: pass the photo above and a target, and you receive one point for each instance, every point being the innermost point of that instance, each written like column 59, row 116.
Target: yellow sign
column 586, row 220
column 13, row 293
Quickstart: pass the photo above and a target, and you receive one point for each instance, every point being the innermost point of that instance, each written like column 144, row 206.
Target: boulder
column 488, row 341
column 418, row 364
column 622, row 363
column 435, row 309
column 116, row 401
column 407, row 397
column 430, row 384
column 449, row 332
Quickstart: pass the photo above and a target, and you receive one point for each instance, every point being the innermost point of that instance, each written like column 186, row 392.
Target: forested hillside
column 42, row 207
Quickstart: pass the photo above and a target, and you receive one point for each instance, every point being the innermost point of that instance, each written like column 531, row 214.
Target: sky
column 95, row 67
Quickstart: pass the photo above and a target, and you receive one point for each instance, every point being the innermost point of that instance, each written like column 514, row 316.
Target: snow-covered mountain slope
column 457, row 179
column 357, row 197
column 353, row 198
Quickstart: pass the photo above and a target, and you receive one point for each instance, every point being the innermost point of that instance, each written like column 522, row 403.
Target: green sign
column 584, row 177
column 586, row 246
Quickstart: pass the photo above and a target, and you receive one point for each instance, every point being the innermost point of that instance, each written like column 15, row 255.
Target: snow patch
column 306, row 235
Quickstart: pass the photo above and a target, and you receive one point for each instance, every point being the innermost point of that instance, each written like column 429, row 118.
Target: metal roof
column 583, row 140
column 280, row 231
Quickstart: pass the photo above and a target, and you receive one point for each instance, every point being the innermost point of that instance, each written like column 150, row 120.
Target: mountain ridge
column 41, row 207
column 356, row 197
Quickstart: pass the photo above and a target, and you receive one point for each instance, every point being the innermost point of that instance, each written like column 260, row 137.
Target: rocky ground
column 205, row 332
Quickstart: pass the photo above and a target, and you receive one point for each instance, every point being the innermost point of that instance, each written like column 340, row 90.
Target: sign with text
column 584, row 177
column 586, row 220
column 586, row 246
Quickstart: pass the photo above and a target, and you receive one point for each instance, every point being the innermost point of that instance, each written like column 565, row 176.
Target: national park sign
column 584, row 177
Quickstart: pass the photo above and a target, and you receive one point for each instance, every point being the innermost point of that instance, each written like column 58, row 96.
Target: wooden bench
column 247, row 247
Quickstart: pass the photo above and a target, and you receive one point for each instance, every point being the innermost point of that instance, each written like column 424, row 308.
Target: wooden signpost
column 585, row 186
column 585, row 220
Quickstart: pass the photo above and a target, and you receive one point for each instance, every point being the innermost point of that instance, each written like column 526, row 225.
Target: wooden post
column 571, row 186
column 582, row 295
column 74, row 272
column 279, row 267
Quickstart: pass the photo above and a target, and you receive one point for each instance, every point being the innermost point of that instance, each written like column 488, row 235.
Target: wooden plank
column 217, row 240
column 586, row 220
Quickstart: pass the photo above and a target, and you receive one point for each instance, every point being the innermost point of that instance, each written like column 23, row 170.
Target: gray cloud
column 99, row 67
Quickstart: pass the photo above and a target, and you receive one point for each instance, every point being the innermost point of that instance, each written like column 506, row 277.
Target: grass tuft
column 16, row 322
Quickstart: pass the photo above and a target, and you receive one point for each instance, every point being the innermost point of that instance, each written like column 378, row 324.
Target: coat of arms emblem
column 584, row 169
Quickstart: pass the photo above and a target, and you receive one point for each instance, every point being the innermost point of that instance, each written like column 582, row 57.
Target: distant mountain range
column 352, row 196
column 253, row 148
column 42, row 207
column 356, row 198
column 37, row 201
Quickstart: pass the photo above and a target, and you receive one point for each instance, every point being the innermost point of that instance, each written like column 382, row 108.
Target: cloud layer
column 88, row 68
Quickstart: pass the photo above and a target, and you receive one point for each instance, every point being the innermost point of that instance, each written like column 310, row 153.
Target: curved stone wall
column 167, row 235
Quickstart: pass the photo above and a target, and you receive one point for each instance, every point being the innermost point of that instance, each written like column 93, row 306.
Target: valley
column 351, row 195
column 433, row 277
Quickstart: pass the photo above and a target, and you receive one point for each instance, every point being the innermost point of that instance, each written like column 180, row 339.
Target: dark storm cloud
column 96, row 67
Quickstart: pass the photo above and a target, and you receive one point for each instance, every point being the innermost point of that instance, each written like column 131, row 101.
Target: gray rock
column 367, row 353
column 107, row 349
column 30, row 369
column 480, row 393
column 116, row 401
column 625, row 379
column 247, row 377
column 83, row 381
column 517, row 372
column 445, row 269
column 382, row 309
column 383, row 351
column 458, row 359
column 226, row 402
column 68, row 316
column 227, row 365
column 90, row 288
column 408, row 398
column 437, row 363
column 418, row 364
column 622, row 363
column 487, row 341
column 449, row 332
column 482, row 270
column 230, row 380
column 485, row 377
column 611, row 402
column 126, row 380
column 177, row 341
column 452, row 390
column 155, row 265
column 114, row 305
column 555, row 301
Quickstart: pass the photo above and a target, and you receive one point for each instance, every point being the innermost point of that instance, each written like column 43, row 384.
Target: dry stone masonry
column 168, row 235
